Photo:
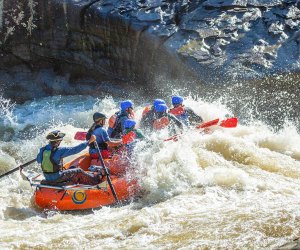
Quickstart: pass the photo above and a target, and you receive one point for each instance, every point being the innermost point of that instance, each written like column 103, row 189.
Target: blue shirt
column 59, row 154
column 101, row 137
column 110, row 130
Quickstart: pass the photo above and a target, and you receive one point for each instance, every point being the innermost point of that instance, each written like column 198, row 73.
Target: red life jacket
column 105, row 155
column 129, row 137
column 146, row 110
column 131, row 116
column 161, row 123
column 177, row 111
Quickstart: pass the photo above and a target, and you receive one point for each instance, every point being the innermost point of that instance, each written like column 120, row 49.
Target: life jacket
column 129, row 137
column 146, row 110
column 161, row 123
column 180, row 113
column 49, row 166
column 117, row 129
column 131, row 116
column 112, row 120
column 104, row 153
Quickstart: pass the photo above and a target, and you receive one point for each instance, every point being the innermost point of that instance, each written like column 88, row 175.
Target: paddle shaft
column 227, row 123
column 106, row 172
column 17, row 168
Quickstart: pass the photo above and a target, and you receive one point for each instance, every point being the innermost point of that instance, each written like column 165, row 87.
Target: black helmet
column 55, row 135
column 98, row 116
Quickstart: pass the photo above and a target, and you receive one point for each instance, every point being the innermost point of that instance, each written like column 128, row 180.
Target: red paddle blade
column 80, row 136
column 208, row 124
column 172, row 138
column 229, row 123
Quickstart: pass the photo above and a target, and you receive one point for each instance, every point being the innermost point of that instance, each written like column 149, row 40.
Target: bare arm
column 114, row 143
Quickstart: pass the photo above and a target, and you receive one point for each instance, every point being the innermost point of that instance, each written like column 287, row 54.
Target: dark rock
column 134, row 43
column 225, row 3
column 148, row 16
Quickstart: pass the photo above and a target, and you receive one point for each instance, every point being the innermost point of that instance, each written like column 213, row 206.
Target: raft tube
column 79, row 197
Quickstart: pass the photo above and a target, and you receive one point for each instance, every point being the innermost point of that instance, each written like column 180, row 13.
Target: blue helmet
column 158, row 101
column 177, row 99
column 160, row 108
column 129, row 123
column 126, row 104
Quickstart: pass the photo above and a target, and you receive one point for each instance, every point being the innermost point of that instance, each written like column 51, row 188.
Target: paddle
column 208, row 124
column 227, row 123
column 106, row 173
column 81, row 136
column 17, row 168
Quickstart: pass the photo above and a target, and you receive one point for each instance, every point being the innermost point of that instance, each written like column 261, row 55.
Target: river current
column 235, row 188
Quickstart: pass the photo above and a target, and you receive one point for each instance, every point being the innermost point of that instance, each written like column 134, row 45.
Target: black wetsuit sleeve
column 175, row 120
column 193, row 117
column 146, row 122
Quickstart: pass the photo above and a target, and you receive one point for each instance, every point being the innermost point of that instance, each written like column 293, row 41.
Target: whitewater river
column 231, row 189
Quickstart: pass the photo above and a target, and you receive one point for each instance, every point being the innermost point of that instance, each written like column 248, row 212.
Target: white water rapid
column 235, row 188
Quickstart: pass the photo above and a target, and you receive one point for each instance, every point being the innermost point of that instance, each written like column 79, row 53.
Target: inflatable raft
column 79, row 197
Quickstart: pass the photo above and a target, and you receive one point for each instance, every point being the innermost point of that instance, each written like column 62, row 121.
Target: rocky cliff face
column 79, row 46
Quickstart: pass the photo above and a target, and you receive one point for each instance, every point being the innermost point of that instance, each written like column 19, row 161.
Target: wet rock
column 136, row 42
column 225, row 3
column 148, row 16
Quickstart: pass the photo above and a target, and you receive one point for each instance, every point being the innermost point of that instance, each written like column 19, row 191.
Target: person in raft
column 162, row 119
column 183, row 113
column 103, row 140
column 131, row 135
column 149, row 114
column 51, row 159
column 116, row 121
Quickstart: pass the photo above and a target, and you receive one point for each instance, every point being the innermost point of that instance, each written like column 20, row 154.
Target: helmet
column 126, row 104
column 161, row 108
column 158, row 101
column 55, row 135
column 98, row 116
column 129, row 123
column 177, row 99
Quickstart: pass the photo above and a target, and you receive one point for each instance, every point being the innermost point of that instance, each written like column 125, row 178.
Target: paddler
column 183, row 113
column 116, row 121
column 102, row 138
column 51, row 159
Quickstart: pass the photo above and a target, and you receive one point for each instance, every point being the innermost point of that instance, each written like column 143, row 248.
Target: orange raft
column 79, row 197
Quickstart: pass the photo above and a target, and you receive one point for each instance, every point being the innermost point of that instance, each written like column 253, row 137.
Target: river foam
column 232, row 188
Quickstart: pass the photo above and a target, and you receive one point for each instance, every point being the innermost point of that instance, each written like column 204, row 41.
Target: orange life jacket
column 146, row 110
column 129, row 137
column 180, row 114
column 161, row 123
column 131, row 116
column 112, row 120
column 177, row 111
